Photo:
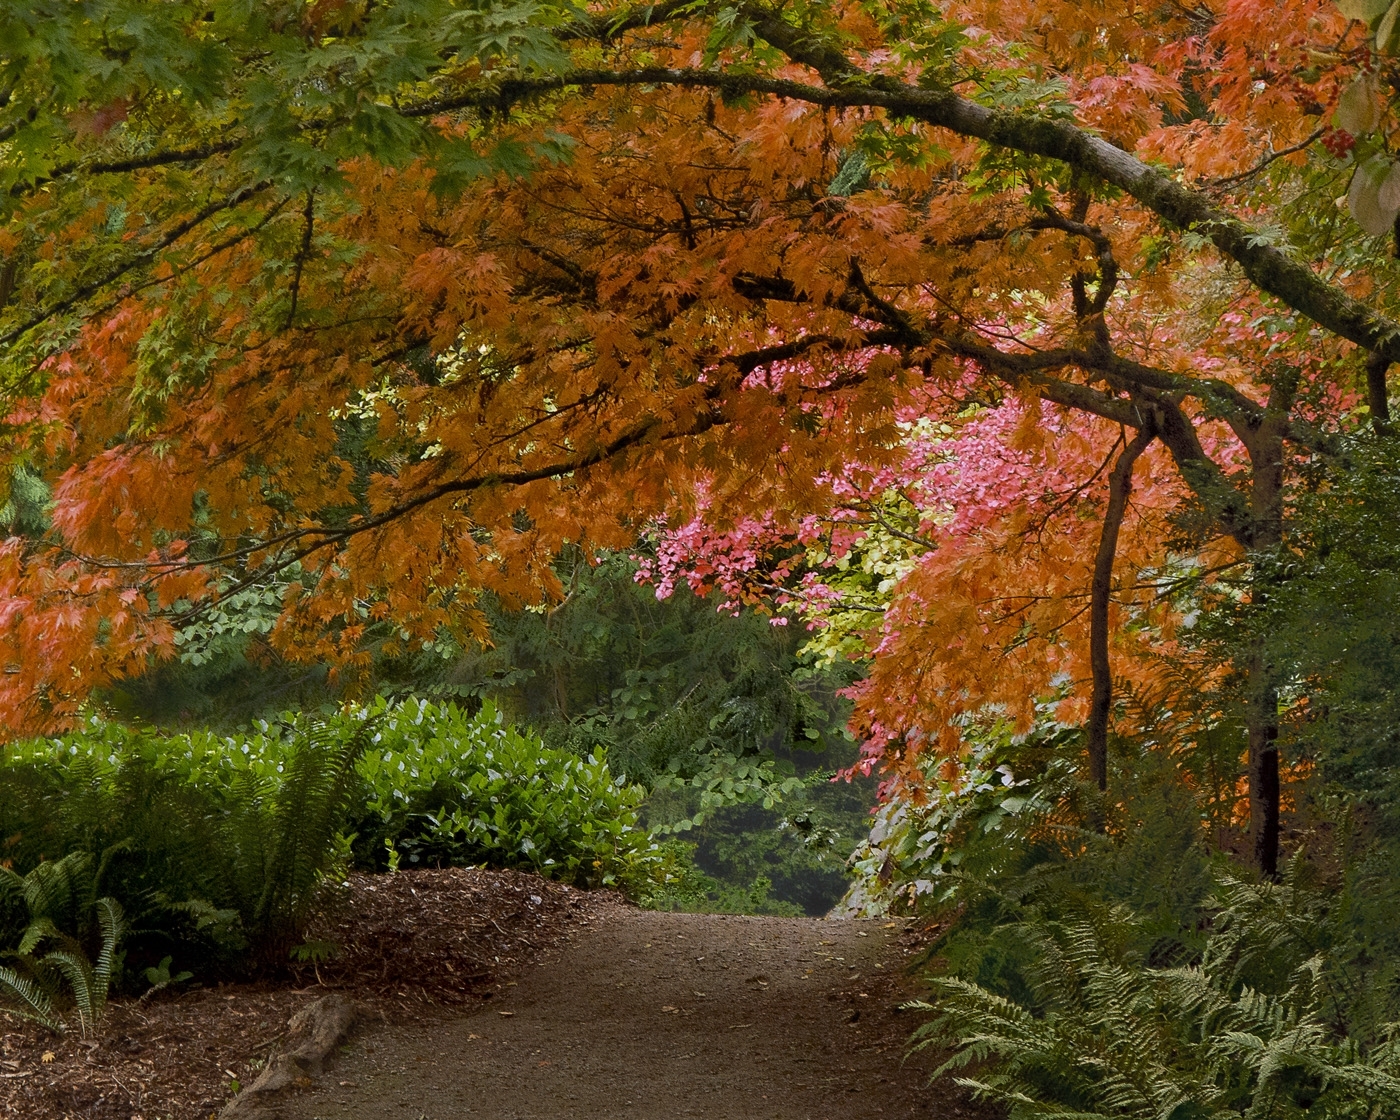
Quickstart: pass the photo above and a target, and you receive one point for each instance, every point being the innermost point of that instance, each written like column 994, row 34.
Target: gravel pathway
column 652, row 1015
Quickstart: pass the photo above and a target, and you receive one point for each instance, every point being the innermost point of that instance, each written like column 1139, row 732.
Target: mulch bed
column 408, row 943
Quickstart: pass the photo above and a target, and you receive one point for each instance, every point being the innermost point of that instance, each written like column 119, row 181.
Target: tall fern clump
column 1105, row 1035
column 285, row 801
column 220, row 847
column 217, row 847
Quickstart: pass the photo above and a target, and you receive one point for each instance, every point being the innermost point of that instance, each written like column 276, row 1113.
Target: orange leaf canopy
column 685, row 275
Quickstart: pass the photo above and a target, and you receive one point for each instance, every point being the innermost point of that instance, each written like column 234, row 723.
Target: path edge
column 315, row 1032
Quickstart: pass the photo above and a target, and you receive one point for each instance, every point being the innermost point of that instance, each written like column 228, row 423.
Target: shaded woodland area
column 931, row 461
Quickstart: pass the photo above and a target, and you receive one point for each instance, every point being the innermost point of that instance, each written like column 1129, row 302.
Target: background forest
column 734, row 736
column 569, row 437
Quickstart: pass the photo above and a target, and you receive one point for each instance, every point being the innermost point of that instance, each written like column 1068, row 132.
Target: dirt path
column 652, row 1015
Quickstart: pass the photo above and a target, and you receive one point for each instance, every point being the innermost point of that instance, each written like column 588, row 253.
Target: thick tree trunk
column 1377, row 395
column 1120, row 485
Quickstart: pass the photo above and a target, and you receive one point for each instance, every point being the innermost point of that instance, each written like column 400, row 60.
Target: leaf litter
column 404, row 943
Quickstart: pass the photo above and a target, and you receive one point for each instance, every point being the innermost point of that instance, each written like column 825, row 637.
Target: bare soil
column 652, row 1015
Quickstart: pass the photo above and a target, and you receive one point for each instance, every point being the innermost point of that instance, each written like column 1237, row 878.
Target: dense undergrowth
column 1129, row 970
column 1117, row 954
column 217, row 847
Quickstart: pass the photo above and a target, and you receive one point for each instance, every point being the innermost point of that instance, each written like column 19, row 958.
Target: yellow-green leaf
column 1364, row 197
column 1385, row 33
column 1359, row 111
column 1364, row 10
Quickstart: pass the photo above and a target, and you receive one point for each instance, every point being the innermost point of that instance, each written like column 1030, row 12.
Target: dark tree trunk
column 1120, row 485
column 1263, row 769
column 1377, row 395
column 1261, row 713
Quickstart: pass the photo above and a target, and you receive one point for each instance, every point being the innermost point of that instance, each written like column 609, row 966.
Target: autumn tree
column 578, row 270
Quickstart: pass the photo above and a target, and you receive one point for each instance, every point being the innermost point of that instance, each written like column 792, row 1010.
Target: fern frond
column 77, row 970
column 1021, row 1103
column 60, row 889
column 36, row 933
column 110, row 853
column 113, row 925
column 34, row 1003
column 296, row 822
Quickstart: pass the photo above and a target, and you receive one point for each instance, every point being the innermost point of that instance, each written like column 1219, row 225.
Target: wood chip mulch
column 407, row 943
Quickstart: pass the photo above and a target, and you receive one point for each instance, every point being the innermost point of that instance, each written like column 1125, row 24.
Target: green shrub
column 1009, row 808
column 684, row 886
column 446, row 789
column 218, row 846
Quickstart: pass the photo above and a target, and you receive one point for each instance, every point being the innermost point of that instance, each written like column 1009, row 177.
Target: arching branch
column 1270, row 269
column 137, row 260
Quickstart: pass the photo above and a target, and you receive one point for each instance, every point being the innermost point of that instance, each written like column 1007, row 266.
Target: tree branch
column 1268, row 268
column 304, row 251
column 1120, row 485
column 1302, row 145
column 145, row 256
column 1103, row 249
column 121, row 166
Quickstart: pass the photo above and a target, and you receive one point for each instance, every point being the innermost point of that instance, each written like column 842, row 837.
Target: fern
column 1118, row 1040
column 78, row 971
column 90, row 982
column 110, row 920
column 283, row 833
column 28, row 1000
column 61, row 889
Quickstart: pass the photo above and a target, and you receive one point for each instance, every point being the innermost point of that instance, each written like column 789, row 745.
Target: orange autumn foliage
column 671, row 302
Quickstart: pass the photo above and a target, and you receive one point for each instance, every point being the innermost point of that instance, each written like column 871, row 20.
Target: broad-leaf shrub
column 1003, row 806
column 444, row 788
column 218, row 846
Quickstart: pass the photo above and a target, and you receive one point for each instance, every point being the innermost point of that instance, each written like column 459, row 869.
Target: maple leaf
column 306, row 328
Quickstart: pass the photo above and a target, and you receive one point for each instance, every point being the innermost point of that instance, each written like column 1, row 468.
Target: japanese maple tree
column 563, row 272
